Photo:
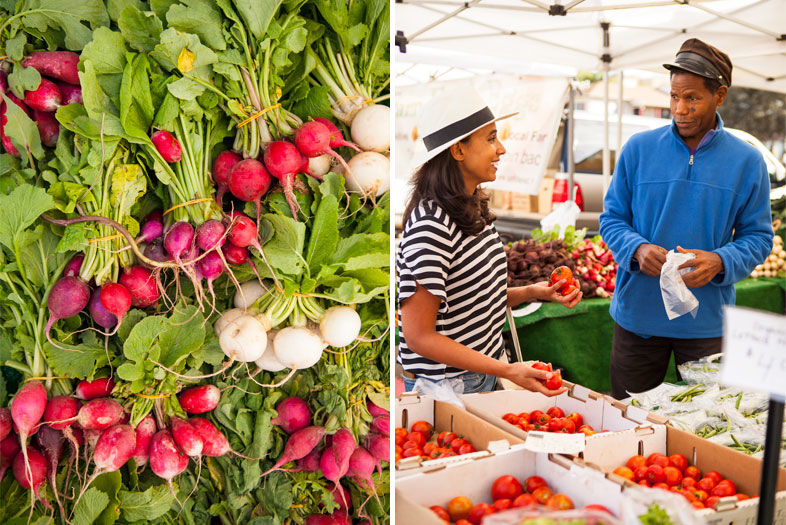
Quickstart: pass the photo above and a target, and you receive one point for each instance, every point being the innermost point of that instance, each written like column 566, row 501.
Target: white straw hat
column 449, row 117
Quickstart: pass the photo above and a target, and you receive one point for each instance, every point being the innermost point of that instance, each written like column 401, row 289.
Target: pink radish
column 67, row 298
column 99, row 414
column 155, row 251
column 361, row 466
column 74, row 265
column 8, row 145
column 375, row 410
column 141, row 284
column 236, row 255
column 178, row 240
column 340, row 496
column 336, row 138
column 144, row 435
column 334, row 462
column 211, row 266
column 51, row 442
column 32, row 475
column 284, row 161
column 381, row 424
column 379, row 448
column 222, row 166
column 210, row 234
column 71, row 94
column 152, row 227
column 114, row 448
column 5, row 422
column 313, row 140
column 215, row 444
column 116, row 299
column 101, row 387
column 61, row 65
column 9, row 447
column 298, row 446
column 293, row 414
column 167, row 145
column 248, row 181
column 27, row 409
column 61, row 408
column 100, row 315
column 187, row 438
column 310, row 463
column 166, row 459
column 45, row 98
column 48, row 127
column 199, row 399
column 243, row 232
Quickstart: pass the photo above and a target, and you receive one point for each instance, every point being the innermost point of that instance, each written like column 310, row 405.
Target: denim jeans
column 474, row 382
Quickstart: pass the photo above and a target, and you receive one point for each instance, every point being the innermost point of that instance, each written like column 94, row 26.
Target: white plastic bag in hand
column 677, row 299
column 447, row 390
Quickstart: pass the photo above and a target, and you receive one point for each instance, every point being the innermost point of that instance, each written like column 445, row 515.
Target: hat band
column 697, row 63
column 451, row 132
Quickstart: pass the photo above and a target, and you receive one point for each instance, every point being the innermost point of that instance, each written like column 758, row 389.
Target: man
column 690, row 187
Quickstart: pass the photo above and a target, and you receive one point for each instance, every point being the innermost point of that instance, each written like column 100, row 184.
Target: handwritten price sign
column 754, row 350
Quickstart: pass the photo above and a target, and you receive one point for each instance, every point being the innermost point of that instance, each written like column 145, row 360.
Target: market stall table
column 578, row 340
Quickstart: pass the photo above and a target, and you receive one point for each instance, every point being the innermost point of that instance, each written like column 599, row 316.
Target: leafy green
column 91, row 505
column 23, row 79
column 145, row 506
column 68, row 17
column 20, row 209
column 22, row 131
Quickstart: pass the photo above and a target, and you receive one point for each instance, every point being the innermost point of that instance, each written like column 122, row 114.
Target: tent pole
column 619, row 125
column 571, row 160
column 606, row 162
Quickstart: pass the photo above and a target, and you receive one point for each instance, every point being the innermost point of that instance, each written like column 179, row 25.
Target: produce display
column 194, row 262
column 507, row 492
column 595, row 266
column 422, row 442
column 775, row 265
column 553, row 420
column 530, row 262
column 673, row 473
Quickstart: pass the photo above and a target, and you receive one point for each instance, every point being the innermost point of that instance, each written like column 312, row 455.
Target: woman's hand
column 531, row 378
column 546, row 292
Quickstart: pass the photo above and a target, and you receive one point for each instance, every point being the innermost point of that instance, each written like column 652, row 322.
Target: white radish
column 340, row 326
column 249, row 292
column 298, row 347
column 371, row 128
column 320, row 165
column 269, row 362
column 369, row 174
column 243, row 339
column 226, row 318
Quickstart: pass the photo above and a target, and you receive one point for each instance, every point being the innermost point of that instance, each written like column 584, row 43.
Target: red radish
column 167, row 145
column 61, row 65
column 210, row 234
column 379, row 447
column 361, row 466
column 215, row 444
column 152, row 227
column 313, row 140
column 61, row 408
column 166, row 459
column 199, row 399
column 211, row 267
column 178, row 240
column 101, row 387
column 71, row 94
column 284, row 161
column 337, row 518
column 117, row 299
column 141, row 284
column 9, row 447
column 293, row 414
column 114, row 448
column 235, row 254
column 343, row 446
column 67, row 298
column 336, row 138
column 46, row 98
column 5, row 422
column 74, row 265
column 329, row 466
column 27, row 408
column 51, row 442
column 32, row 475
column 48, row 127
column 298, row 446
column 243, row 232
column 340, row 496
column 100, row 315
column 187, row 437
column 381, row 424
column 222, row 166
column 376, row 410
column 155, row 251
column 99, row 414
column 144, row 435
column 91, row 437
column 248, row 181
column 310, row 463
column 8, row 145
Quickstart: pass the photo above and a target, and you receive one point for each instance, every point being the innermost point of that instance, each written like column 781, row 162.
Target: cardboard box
column 743, row 470
column 413, row 407
column 473, row 479
column 523, row 202
column 624, row 422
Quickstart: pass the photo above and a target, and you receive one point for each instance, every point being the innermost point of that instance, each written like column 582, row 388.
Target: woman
column 451, row 267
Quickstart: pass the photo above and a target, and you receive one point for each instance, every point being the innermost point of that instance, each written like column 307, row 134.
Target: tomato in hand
column 459, row 507
column 542, row 366
column 555, row 381
column 506, row 487
column 555, row 412
column 561, row 273
column 478, row 511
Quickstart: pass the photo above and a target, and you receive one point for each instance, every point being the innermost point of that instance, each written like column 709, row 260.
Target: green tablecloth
column 578, row 340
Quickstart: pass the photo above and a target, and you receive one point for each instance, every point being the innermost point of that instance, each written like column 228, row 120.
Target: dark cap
column 704, row 60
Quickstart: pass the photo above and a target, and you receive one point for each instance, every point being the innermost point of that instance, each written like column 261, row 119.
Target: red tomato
column 502, row 504
column 700, row 495
column 459, row 507
column 644, row 482
column 525, row 500
column 455, row 445
column 711, row 502
column 511, row 418
column 706, row 483
column 417, row 437
column 478, row 511
column 741, row 497
column 440, row 511
column 410, row 444
column 688, row 483
column 673, row 476
column 568, row 426
column 555, row 381
column 714, row 475
column 411, row 452
column 723, row 490
column 437, row 452
column 444, row 438
column 542, row 366
column 655, row 474
column 636, row 461
column 429, row 447
column 423, row 426
column 678, row 461
column 698, row 504
column 534, row 415
column 640, row 473
column 661, row 486
column 658, row 459
column 586, row 430
column 542, row 494
column 561, row 273
column 534, row 482
column 524, row 417
column 577, row 419
column 466, row 448
column 559, row 502
column 625, row 472
column 555, row 425
column 401, row 435
column 599, row 508
column 506, row 487
column 692, row 472
column 555, row 412
column 543, row 419
column 568, row 289
column 463, row 522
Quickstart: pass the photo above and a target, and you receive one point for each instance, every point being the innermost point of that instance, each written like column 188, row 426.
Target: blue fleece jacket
column 716, row 199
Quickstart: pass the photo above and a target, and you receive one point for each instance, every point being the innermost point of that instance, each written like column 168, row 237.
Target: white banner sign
column 528, row 137
column 754, row 350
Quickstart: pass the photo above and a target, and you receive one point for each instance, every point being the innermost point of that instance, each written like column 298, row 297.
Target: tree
column 760, row 113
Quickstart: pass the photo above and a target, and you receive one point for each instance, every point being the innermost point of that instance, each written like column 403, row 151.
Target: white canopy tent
column 603, row 35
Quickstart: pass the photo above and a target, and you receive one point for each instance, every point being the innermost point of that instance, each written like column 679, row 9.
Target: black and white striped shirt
column 467, row 273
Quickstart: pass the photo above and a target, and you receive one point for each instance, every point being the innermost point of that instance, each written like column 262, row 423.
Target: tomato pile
column 552, row 420
column 507, row 492
column 417, row 442
column 555, row 381
column 672, row 473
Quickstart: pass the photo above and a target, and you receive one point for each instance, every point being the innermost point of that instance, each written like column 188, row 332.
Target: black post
column 769, row 471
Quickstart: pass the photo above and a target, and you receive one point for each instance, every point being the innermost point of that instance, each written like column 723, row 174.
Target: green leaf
column 185, row 88
column 284, row 250
column 183, row 334
column 74, row 361
column 174, row 42
column 141, row 30
column 15, row 47
column 257, row 15
column 276, row 494
column 23, row 79
column 95, row 101
column 20, row 209
column 128, row 184
column 136, row 102
column 68, row 16
column 22, row 131
column 75, row 238
column 167, row 112
column 316, row 104
column 145, row 506
column 106, row 51
column 129, row 372
column 142, row 337
column 324, row 233
column 357, row 251
column 201, row 18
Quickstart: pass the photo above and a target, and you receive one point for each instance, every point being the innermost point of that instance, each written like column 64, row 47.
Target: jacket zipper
column 690, row 162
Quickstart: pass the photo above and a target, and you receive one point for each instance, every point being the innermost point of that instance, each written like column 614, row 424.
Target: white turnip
column 371, row 128
column 297, row 347
column 226, row 318
column 243, row 339
column 269, row 362
column 340, row 325
column 249, row 292
column 319, row 166
column 369, row 174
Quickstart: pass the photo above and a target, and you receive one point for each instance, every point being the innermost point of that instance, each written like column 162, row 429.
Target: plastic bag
column 677, row 299
column 563, row 215
column 541, row 515
column 660, row 505
column 447, row 390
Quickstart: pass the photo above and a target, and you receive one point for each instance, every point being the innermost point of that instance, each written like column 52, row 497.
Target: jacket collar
column 706, row 139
